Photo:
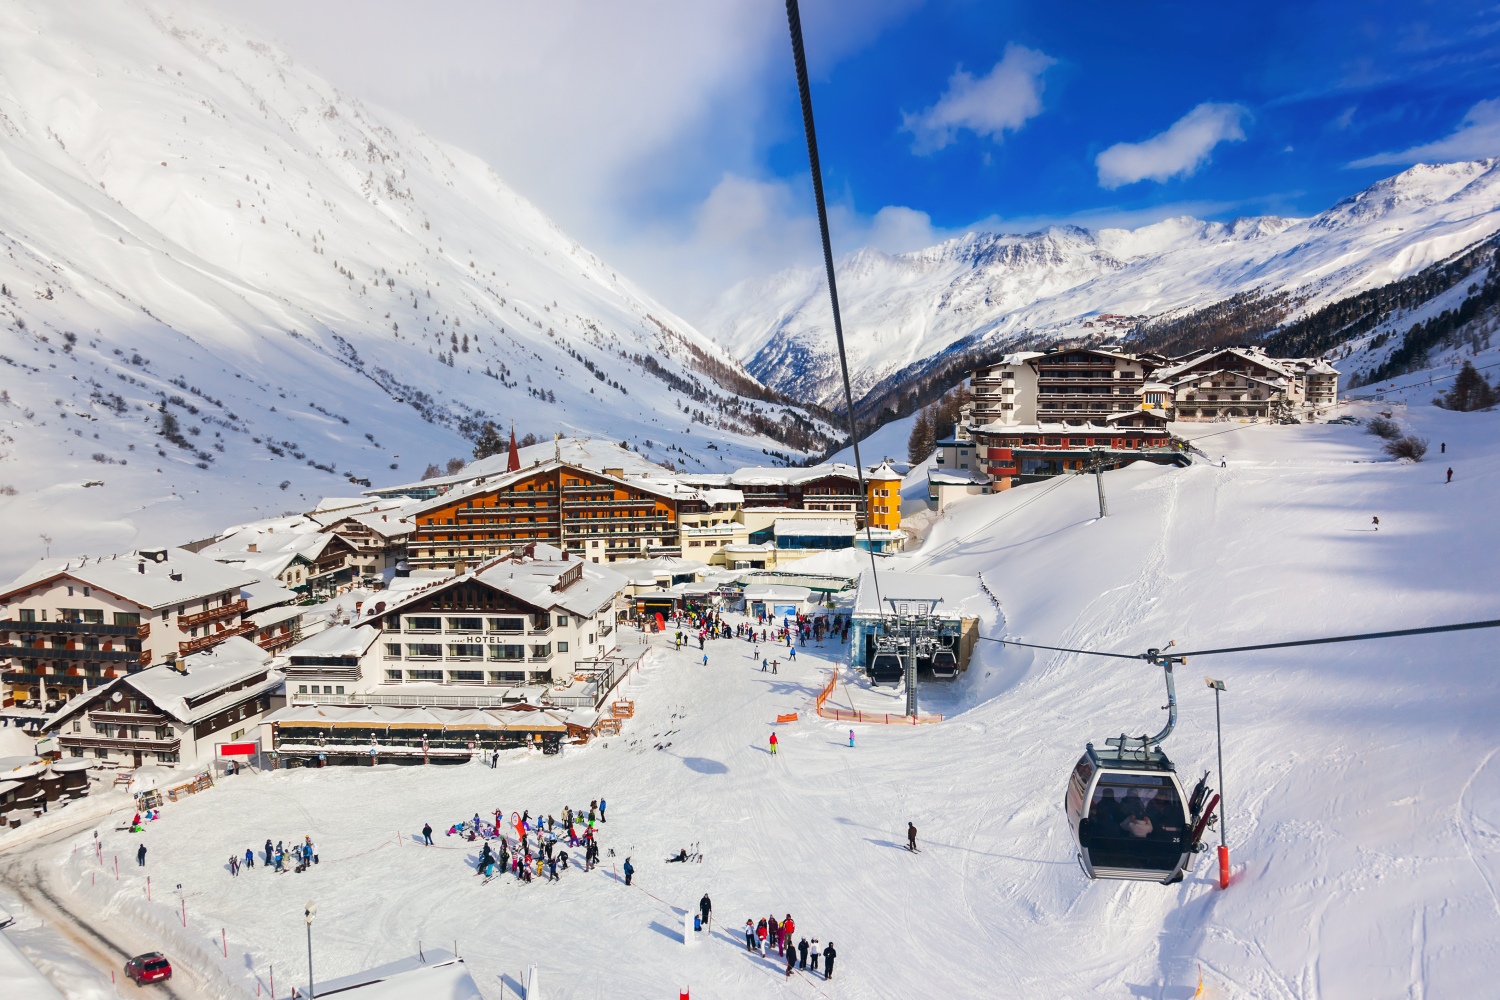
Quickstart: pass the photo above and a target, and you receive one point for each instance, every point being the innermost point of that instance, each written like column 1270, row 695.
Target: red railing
column 879, row 718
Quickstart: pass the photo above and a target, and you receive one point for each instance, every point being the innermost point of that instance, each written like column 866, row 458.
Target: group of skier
column 278, row 858
column 770, row 934
column 536, row 850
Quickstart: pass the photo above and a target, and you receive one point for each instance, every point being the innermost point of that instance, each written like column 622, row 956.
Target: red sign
column 239, row 749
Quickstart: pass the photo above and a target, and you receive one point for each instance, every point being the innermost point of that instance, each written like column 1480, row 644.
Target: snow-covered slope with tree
column 193, row 226
column 902, row 312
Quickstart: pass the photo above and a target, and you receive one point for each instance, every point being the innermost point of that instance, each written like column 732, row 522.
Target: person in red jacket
column 760, row 935
column 788, row 928
column 773, row 744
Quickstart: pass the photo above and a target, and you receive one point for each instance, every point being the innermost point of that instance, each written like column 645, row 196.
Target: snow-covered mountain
column 903, row 311
column 193, row 225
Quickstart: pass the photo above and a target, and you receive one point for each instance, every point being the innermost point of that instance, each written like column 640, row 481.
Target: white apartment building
column 71, row 626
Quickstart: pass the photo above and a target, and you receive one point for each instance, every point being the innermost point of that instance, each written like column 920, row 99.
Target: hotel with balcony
column 69, row 627
column 175, row 714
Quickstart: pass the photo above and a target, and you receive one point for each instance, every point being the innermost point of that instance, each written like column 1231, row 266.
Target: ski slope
column 1363, row 789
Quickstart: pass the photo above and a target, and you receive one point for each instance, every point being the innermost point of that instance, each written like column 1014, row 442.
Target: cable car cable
column 794, row 25
column 1396, row 633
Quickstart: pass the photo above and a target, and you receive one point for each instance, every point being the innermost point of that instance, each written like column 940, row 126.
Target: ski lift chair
column 944, row 664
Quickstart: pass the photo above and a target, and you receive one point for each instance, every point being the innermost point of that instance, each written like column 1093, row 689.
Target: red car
column 151, row 967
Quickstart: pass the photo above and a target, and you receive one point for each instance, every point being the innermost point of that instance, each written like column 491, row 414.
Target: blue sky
column 665, row 133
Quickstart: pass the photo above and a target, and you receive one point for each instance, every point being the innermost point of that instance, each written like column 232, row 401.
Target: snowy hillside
column 1363, row 790
column 988, row 289
column 194, row 225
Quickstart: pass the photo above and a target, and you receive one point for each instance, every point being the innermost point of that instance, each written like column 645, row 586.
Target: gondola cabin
column 1128, row 815
column 887, row 668
column 944, row 665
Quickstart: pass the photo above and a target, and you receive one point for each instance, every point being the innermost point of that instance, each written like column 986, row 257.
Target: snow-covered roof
column 592, row 454
column 440, row 977
column 531, row 580
column 883, row 471
column 229, row 663
column 957, row 596
column 266, row 592
column 960, row 477
column 267, row 550
column 1253, row 356
column 151, row 578
column 337, row 640
column 23, row 981
column 662, row 487
column 767, row 592
column 788, row 476
column 815, row 526
column 716, row 497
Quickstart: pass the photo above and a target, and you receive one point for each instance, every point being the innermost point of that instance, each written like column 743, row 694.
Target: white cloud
column 1177, row 152
column 1000, row 101
column 1476, row 137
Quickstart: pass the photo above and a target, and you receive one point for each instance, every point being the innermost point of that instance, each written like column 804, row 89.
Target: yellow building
column 883, row 485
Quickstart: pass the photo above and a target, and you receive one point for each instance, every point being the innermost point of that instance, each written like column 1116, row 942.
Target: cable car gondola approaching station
column 1126, row 807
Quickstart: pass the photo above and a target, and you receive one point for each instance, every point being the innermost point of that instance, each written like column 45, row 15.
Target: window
column 466, row 624
column 516, row 652
column 466, row 676
column 509, row 624
column 425, row 625
column 424, row 675
column 102, row 753
column 339, row 689
column 562, row 619
column 127, row 618
column 76, row 752
column 465, row 651
column 423, row 650
column 393, row 675
column 302, row 689
column 562, row 647
column 393, row 651
column 26, row 615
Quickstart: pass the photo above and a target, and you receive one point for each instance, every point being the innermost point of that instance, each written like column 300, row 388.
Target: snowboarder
column 629, row 870
column 802, row 954
column 427, row 833
column 705, row 908
column 911, row 837
column 773, row 744
column 828, row 956
column 1450, row 475
column 140, row 856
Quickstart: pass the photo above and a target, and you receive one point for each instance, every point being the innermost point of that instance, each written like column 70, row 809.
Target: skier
column 828, row 956
column 269, row 852
column 629, row 870
column 1450, row 475
column 705, row 909
column 705, row 659
column 792, row 655
column 851, row 739
column 749, row 935
column 813, row 954
column 763, row 664
column 249, row 858
column 788, row 928
column 234, row 865
column 773, row 744
column 911, row 837
column 802, row 954
column 140, row 856
column 1375, row 521
column 426, row 833
column 774, row 665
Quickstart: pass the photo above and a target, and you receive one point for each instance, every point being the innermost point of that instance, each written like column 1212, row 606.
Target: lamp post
column 1219, row 686
column 307, row 914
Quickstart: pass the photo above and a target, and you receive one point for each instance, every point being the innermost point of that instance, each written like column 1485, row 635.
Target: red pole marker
column 1223, row 867
column 682, row 995
column 184, row 913
column 225, row 938
column 148, row 888
column 273, row 982
column 117, row 868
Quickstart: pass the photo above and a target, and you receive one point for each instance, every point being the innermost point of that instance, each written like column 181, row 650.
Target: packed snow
column 1363, row 801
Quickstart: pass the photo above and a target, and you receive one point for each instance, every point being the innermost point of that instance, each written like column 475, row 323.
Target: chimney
column 140, row 567
column 251, row 547
column 175, row 576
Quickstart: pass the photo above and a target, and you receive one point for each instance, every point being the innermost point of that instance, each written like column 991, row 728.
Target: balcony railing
column 69, row 740
column 129, row 718
column 212, row 614
column 204, row 641
column 73, row 628
column 84, row 655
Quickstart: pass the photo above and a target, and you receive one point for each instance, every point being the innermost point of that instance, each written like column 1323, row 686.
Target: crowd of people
column 278, row 857
column 770, row 934
column 531, row 848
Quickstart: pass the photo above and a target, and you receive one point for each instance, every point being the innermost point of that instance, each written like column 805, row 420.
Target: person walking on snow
column 140, row 856
column 851, row 739
column 1375, row 521
column 705, row 909
column 773, row 744
column 760, row 936
column 427, row 833
column 791, row 961
column 911, row 837
column 602, row 807
column 1450, row 475
column 749, row 935
column 828, row 956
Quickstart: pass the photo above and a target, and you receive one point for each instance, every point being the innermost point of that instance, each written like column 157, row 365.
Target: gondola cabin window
column 1136, row 806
